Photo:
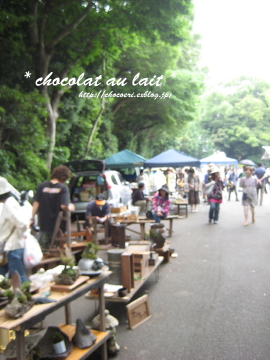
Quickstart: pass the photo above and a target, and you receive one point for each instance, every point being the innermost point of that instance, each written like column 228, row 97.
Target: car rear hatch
column 81, row 167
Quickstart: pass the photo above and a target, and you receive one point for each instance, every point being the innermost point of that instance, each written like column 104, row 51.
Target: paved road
column 212, row 302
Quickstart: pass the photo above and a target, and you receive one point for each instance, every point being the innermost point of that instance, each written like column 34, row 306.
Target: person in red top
column 215, row 197
column 161, row 204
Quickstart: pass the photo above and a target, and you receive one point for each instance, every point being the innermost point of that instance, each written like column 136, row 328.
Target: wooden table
column 180, row 203
column 141, row 222
column 38, row 313
column 170, row 218
column 137, row 284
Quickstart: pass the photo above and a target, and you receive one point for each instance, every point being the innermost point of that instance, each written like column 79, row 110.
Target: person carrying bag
column 14, row 221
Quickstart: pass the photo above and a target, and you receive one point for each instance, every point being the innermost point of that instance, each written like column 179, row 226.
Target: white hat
column 210, row 166
column 5, row 186
column 214, row 169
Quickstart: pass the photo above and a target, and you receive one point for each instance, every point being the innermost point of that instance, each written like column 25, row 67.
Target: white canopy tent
column 266, row 155
column 219, row 157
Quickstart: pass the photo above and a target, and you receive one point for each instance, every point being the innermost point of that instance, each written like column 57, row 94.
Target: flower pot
column 60, row 347
column 157, row 235
column 90, row 264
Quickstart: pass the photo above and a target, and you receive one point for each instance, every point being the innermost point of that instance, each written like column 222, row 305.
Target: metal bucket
column 114, row 260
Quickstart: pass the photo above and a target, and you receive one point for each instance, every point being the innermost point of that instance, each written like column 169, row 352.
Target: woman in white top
column 249, row 200
column 14, row 221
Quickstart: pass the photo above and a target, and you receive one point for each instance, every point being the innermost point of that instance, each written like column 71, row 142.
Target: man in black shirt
column 138, row 199
column 50, row 198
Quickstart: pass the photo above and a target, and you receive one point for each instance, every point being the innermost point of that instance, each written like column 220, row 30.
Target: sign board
column 138, row 312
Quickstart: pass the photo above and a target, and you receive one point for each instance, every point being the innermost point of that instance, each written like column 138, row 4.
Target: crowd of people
column 53, row 196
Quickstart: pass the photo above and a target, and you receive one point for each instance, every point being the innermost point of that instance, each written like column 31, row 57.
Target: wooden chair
column 66, row 238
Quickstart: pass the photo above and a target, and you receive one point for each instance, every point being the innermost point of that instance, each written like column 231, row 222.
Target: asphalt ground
column 211, row 302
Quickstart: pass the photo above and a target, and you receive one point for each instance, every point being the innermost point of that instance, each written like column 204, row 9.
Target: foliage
column 145, row 125
column 116, row 39
column 69, row 264
column 22, row 299
column 56, row 337
column 22, row 137
column 23, row 295
column 5, row 284
column 9, row 294
column 90, row 251
column 236, row 115
column 194, row 140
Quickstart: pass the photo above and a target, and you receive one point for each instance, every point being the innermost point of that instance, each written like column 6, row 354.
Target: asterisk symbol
column 173, row 74
column 27, row 74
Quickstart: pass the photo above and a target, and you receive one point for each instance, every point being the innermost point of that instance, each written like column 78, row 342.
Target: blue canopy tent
column 171, row 158
column 219, row 158
column 124, row 159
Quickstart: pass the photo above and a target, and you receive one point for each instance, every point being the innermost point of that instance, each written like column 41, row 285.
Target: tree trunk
column 94, row 128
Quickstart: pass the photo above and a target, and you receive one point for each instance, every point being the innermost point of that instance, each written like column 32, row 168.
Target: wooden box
column 118, row 235
column 138, row 248
column 133, row 217
column 140, row 262
column 127, row 270
column 153, row 259
column 118, row 210
column 84, row 195
column 119, row 218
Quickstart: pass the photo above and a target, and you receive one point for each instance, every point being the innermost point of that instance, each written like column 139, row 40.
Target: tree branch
column 117, row 107
column 66, row 31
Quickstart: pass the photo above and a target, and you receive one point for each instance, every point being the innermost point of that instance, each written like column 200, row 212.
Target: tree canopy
column 237, row 114
column 47, row 125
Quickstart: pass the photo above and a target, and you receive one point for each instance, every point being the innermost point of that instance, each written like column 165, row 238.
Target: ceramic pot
column 122, row 292
column 90, row 264
column 157, row 235
column 59, row 348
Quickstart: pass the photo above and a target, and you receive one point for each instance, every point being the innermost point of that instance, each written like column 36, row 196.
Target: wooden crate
column 138, row 248
column 118, row 210
column 119, row 218
column 133, row 217
column 140, row 262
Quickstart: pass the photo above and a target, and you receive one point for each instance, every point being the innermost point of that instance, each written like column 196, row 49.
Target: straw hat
column 214, row 169
column 5, row 186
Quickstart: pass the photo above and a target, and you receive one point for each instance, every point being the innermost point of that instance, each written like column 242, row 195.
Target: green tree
column 147, row 125
column 236, row 114
column 62, row 37
column 22, row 139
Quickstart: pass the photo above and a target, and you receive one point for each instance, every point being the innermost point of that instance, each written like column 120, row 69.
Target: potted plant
column 69, row 274
column 89, row 260
column 58, row 342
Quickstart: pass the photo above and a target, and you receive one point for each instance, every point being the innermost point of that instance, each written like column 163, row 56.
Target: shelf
column 137, row 285
column 77, row 353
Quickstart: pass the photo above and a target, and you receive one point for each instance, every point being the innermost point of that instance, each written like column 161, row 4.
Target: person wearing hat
column 14, row 222
column 50, row 198
column 98, row 208
column 215, row 196
column 161, row 204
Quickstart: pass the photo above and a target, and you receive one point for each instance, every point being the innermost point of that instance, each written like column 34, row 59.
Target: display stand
column 38, row 313
column 179, row 203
